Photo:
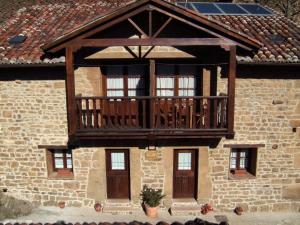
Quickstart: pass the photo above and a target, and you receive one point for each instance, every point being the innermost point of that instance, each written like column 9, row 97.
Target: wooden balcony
column 151, row 117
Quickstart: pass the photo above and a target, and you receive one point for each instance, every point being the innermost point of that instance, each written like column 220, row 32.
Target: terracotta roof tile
column 45, row 22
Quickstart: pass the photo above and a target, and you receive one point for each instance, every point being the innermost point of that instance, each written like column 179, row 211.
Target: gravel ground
column 73, row 215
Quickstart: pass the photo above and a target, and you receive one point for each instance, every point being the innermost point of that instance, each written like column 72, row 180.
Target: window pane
column 233, row 163
column 59, row 163
column 69, row 164
column 242, row 163
column 118, row 161
column 187, row 82
column 58, row 153
column 115, row 81
column 184, row 161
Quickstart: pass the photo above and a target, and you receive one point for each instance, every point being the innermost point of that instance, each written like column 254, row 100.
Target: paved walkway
column 73, row 215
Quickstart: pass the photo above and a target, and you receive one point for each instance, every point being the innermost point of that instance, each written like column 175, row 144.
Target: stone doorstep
column 181, row 207
column 120, row 206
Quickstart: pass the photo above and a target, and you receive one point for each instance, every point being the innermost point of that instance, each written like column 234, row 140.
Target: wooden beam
column 60, row 147
column 151, row 42
column 152, row 87
column 150, row 23
column 130, row 52
column 162, row 27
column 148, row 51
column 54, row 48
column 137, row 27
column 70, row 92
column 244, row 145
column 231, row 89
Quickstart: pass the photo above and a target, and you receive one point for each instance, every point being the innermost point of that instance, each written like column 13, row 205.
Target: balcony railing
column 151, row 113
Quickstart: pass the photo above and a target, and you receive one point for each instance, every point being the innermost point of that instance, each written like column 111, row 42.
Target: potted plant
column 238, row 210
column 151, row 199
column 98, row 207
column 206, row 208
column 61, row 204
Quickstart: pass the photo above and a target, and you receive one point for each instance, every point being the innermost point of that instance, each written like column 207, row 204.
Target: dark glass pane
column 207, row 8
column 186, row 5
column 231, row 8
column 255, row 9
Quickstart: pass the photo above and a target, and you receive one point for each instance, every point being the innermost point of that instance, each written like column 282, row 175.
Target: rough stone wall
column 34, row 113
column 263, row 111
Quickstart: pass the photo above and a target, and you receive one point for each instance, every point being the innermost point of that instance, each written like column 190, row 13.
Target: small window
column 243, row 161
column 62, row 160
column 59, row 163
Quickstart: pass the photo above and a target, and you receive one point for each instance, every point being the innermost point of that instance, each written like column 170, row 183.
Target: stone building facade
column 257, row 168
column 33, row 113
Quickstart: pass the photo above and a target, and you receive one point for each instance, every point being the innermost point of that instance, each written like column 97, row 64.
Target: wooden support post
column 152, row 87
column 231, row 90
column 70, row 92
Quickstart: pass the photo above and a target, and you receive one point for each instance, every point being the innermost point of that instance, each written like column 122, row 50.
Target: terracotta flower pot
column 61, row 205
column 98, row 207
column 238, row 210
column 151, row 211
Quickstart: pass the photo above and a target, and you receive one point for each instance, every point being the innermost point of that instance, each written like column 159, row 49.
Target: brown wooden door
column 117, row 173
column 185, row 174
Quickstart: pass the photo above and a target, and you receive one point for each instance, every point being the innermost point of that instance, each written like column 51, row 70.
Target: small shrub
column 151, row 196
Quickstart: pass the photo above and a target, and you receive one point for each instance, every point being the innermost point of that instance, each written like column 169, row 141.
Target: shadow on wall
column 143, row 143
column 12, row 208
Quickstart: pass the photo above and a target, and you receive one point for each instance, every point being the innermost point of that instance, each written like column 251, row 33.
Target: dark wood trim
column 60, row 147
column 244, row 146
column 132, row 9
column 131, row 52
column 137, row 27
column 101, row 42
column 52, row 47
column 162, row 27
column 231, row 89
column 152, row 89
column 70, row 91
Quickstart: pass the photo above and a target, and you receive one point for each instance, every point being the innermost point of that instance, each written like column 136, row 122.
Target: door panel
column 185, row 174
column 117, row 173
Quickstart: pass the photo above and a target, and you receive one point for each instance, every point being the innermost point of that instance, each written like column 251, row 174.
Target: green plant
column 151, row 196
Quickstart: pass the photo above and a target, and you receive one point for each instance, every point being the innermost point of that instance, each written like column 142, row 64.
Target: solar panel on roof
column 211, row 8
column 255, row 9
column 18, row 39
column 231, row 8
column 186, row 5
column 207, row 8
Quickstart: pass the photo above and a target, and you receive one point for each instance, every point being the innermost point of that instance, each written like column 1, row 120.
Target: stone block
column 217, row 169
column 297, row 161
column 291, row 191
column 280, row 207
column 73, row 185
column 151, row 155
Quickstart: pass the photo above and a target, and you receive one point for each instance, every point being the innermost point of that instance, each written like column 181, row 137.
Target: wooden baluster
column 215, row 101
column 166, row 112
column 101, row 111
column 110, row 125
column 187, row 113
column 180, row 113
column 95, row 114
column 137, row 117
column 115, row 113
column 207, row 114
column 158, row 113
column 89, row 119
column 123, row 109
column 80, row 117
column 174, row 110
column 201, row 104
column 194, row 105
column 144, row 113
column 129, row 114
